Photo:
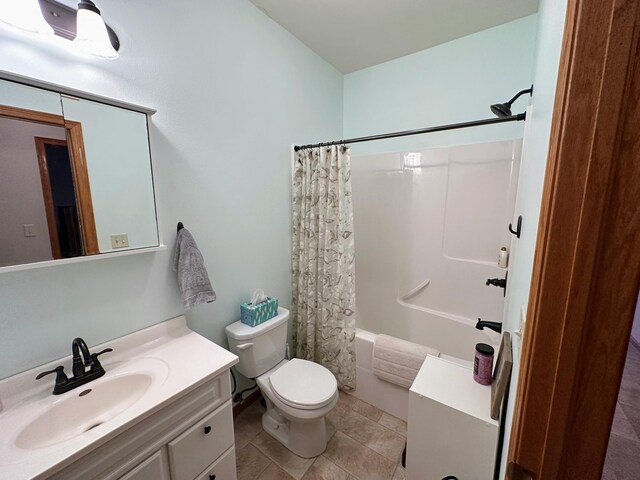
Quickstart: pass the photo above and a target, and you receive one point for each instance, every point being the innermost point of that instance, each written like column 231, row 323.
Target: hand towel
column 193, row 278
column 398, row 361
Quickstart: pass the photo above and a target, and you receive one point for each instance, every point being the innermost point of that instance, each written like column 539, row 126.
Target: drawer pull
column 207, row 429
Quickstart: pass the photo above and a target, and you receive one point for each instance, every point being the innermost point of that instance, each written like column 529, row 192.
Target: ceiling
column 355, row 34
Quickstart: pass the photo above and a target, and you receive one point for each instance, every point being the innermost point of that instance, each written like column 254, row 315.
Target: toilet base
column 305, row 439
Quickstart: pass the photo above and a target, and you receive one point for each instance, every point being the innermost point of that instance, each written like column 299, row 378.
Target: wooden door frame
column 79, row 168
column 83, row 189
column 586, row 271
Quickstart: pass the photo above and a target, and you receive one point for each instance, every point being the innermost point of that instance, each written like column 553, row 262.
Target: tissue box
column 253, row 315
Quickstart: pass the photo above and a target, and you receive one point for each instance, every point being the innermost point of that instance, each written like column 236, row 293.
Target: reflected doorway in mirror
column 44, row 186
column 59, row 194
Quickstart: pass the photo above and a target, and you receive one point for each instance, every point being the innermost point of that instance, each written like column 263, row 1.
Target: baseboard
column 242, row 406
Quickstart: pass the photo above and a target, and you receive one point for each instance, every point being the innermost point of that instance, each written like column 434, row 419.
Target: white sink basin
column 90, row 406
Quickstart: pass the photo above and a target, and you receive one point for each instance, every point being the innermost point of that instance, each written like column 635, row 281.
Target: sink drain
column 85, row 392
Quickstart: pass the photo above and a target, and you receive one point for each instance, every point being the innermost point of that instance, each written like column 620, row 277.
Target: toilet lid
column 303, row 384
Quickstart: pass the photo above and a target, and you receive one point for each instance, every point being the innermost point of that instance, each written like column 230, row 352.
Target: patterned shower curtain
column 324, row 301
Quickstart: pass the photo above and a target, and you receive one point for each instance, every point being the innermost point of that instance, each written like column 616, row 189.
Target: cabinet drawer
column 200, row 445
column 223, row 469
column 153, row 468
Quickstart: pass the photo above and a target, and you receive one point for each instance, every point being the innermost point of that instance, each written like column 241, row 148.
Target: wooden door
column 587, row 264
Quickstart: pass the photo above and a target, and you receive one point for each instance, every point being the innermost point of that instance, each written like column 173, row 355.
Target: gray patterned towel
column 193, row 278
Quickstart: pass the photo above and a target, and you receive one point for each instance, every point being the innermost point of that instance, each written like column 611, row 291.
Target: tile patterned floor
column 623, row 454
column 365, row 444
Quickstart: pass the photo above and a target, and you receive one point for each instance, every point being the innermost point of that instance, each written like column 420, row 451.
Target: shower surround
column 429, row 226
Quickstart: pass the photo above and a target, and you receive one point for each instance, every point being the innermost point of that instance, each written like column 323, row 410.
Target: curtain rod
column 453, row 126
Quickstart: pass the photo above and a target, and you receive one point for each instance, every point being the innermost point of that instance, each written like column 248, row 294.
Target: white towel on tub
column 398, row 361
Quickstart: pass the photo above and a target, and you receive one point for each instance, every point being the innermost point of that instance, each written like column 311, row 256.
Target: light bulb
column 25, row 15
column 91, row 32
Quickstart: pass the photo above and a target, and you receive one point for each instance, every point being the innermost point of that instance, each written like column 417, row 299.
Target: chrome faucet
column 80, row 364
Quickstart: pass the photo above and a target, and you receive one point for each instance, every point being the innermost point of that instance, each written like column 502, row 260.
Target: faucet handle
column 95, row 364
column 106, row 350
column 59, row 371
column 61, row 377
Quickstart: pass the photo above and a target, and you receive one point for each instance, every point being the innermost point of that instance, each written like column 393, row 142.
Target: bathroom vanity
column 162, row 411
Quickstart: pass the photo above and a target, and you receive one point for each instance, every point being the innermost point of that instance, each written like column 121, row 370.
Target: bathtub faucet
column 495, row 326
column 499, row 282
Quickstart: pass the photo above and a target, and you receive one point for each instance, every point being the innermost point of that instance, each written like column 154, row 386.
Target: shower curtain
column 323, row 304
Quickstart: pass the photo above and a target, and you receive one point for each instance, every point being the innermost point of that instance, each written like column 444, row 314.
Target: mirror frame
column 76, row 150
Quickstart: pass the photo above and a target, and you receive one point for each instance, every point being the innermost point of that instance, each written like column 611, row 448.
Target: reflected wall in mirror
column 119, row 166
column 75, row 177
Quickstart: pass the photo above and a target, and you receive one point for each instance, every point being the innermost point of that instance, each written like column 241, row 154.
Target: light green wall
column 233, row 91
column 532, row 170
column 450, row 83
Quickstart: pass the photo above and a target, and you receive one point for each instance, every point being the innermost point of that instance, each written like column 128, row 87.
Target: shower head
column 501, row 109
column 504, row 109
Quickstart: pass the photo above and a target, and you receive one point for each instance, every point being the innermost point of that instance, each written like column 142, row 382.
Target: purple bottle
column 483, row 364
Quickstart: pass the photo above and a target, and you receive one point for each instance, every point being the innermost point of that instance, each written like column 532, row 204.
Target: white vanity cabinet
column 153, row 468
column 161, row 411
column 190, row 438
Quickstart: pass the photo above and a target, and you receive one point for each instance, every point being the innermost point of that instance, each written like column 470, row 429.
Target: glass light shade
column 92, row 36
column 25, row 15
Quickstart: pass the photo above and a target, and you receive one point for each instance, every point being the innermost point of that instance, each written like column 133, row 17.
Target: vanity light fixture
column 24, row 15
column 85, row 27
column 91, row 32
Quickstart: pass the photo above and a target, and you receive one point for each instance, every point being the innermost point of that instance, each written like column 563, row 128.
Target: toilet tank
column 259, row 348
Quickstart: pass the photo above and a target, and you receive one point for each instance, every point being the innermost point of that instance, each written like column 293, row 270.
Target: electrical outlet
column 120, row 241
column 29, row 230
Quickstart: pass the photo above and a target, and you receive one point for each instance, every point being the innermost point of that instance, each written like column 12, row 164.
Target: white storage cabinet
column 450, row 430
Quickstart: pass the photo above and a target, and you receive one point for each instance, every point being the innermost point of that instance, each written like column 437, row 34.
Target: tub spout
column 495, row 326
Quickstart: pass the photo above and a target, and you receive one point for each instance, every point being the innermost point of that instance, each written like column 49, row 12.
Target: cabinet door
column 202, row 444
column 153, row 468
column 223, row 469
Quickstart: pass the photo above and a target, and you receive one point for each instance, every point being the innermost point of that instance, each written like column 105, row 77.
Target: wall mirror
column 75, row 177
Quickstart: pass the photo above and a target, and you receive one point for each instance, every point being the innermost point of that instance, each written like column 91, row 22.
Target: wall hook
column 518, row 229
column 180, row 226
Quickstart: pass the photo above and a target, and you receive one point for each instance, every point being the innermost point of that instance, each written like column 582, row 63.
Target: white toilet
column 299, row 393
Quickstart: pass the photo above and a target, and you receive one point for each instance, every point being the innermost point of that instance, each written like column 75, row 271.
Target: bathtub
column 386, row 396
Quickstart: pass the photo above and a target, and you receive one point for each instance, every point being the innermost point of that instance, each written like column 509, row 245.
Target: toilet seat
column 303, row 384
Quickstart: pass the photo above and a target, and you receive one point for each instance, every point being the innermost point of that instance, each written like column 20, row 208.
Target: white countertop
column 178, row 359
column 452, row 384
